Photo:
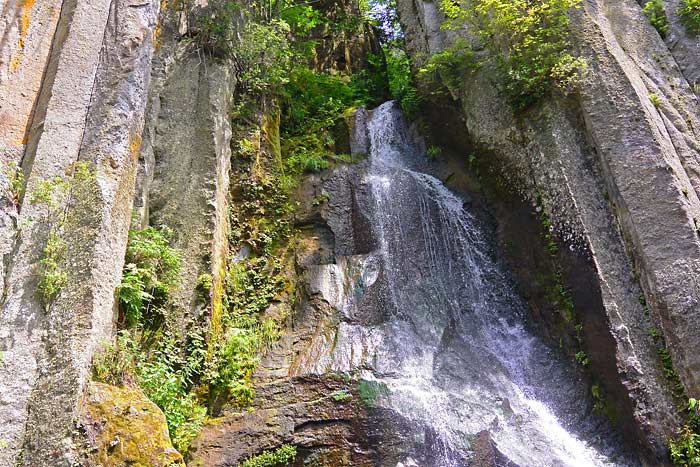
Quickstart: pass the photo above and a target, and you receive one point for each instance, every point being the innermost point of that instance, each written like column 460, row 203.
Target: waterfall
column 454, row 350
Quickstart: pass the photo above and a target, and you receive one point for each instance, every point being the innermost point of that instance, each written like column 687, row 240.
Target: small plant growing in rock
column 582, row 358
column 204, row 285
column 53, row 277
column 114, row 364
column 685, row 448
column 340, row 396
column 371, row 391
column 52, row 194
column 246, row 148
column 654, row 10
column 283, row 455
column 324, row 197
column 55, row 194
column 16, row 183
column 433, row 152
column 655, row 99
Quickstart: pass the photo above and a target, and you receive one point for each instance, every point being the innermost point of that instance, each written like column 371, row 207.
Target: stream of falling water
column 455, row 352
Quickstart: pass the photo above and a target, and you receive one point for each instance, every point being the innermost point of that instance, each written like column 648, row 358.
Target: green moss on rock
column 123, row 427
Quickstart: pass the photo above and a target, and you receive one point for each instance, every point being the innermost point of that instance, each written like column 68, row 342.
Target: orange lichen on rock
column 135, row 146
column 25, row 20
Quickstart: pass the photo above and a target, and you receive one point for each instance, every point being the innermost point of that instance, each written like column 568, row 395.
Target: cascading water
column 451, row 345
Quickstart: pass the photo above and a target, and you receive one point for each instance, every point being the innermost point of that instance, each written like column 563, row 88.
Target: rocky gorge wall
column 108, row 106
column 120, row 87
column 75, row 77
column 616, row 175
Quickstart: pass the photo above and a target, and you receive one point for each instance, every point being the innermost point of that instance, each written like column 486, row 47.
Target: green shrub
column 234, row 364
column 284, row 455
column 654, row 10
column 16, row 182
column 215, row 27
column 690, row 15
column 165, row 374
column 400, row 79
column 164, row 383
column 151, row 270
column 449, row 66
column 433, row 152
column 528, row 41
column 685, row 448
column 264, row 55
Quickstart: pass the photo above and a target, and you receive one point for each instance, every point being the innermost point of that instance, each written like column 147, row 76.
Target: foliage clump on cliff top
column 526, row 40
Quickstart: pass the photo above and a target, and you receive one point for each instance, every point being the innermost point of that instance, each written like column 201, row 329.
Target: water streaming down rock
column 427, row 312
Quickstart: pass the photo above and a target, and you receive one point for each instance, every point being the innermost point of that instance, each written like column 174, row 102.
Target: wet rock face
column 328, row 421
column 123, row 427
column 618, row 177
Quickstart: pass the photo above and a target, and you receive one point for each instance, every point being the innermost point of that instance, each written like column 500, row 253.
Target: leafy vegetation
column 654, row 10
column 151, row 270
column 685, row 448
column 260, row 221
column 52, row 194
column 164, row 375
column 340, row 396
column 283, row 455
column 677, row 388
column 655, row 99
column 401, row 87
column 582, row 358
column 690, row 15
column 433, row 152
column 166, row 378
column 15, row 184
column 145, row 353
column 448, row 66
column 399, row 76
column 527, row 40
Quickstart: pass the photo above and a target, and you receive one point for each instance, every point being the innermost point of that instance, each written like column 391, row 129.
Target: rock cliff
column 121, row 114
column 616, row 174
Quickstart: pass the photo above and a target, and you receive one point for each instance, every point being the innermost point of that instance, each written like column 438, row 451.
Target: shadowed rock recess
column 214, row 254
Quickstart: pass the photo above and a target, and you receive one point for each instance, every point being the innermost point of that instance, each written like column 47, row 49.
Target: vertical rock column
column 184, row 177
column 27, row 31
column 92, row 106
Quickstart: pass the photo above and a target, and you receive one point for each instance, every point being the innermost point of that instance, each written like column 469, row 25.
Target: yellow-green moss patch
column 125, row 428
